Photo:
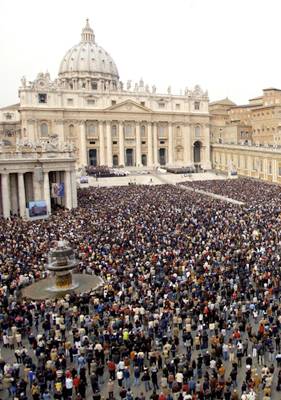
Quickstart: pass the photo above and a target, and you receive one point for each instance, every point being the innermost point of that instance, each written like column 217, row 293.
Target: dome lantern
column 87, row 34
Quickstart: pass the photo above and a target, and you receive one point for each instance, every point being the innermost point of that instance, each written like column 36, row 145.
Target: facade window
column 178, row 106
column 44, row 130
column 69, row 102
column 162, row 141
column 143, row 103
column 197, row 131
column 71, row 130
column 142, row 131
column 261, row 165
column 161, row 131
column 114, row 142
column 143, row 142
column 42, row 98
column 113, row 102
column 8, row 116
column 161, row 105
column 94, row 86
column 128, row 131
column 178, row 132
column 92, row 130
column 91, row 142
column 91, row 101
column 197, row 105
column 114, row 131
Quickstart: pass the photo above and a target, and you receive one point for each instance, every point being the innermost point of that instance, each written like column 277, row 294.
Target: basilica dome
column 87, row 64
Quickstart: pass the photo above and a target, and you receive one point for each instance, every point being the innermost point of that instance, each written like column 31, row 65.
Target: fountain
column 62, row 263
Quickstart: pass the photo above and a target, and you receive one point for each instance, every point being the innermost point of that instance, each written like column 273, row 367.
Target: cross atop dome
column 87, row 34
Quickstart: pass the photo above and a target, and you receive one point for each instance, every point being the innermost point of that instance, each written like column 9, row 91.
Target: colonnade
column 148, row 144
column 18, row 188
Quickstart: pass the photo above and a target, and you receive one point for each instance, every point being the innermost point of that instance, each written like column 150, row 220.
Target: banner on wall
column 57, row 190
column 37, row 209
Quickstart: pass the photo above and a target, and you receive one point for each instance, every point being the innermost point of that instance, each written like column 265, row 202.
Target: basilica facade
column 108, row 122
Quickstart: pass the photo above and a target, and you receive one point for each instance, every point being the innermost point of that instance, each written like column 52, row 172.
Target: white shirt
column 68, row 383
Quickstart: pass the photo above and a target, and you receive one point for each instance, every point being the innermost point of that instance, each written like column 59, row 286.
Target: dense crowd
column 190, row 307
column 247, row 190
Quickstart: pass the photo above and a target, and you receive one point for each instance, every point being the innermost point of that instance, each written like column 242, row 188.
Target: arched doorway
column 144, row 160
column 129, row 157
column 115, row 160
column 93, row 157
column 162, row 156
column 197, row 152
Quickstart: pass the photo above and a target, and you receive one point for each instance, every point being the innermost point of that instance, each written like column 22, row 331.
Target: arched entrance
column 93, row 157
column 129, row 157
column 197, row 155
column 144, row 160
column 162, row 156
column 115, row 160
column 197, row 152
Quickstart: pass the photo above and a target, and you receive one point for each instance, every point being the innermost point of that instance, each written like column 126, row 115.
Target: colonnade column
column 274, row 171
column 6, row 200
column 187, row 157
column 155, row 144
column 149, row 146
column 170, row 145
column 14, row 193
column 138, row 145
column 47, row 192
column 67, row 188
column 109, row 144
column 74, row 189
column 37, row 180
column 22, row 198
column 83, row 145
column 121, row 144
column 101, row 140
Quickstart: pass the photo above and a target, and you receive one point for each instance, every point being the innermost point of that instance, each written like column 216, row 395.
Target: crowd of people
column 189, row 309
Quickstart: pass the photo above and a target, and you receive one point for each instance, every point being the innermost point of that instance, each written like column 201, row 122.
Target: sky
column 229, row 47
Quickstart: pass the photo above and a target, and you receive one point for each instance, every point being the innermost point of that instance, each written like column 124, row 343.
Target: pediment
column 128, row 106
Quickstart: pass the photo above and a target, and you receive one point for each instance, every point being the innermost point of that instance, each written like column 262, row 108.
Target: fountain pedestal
column 62, row 263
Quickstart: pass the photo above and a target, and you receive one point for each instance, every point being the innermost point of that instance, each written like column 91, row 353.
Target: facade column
column 74, row 189
column 155, row 144
column 47, row 197
column 83, row 145
column 101, row 140
column 67, row 189
column 121, row 143
column 170, row 144
column 22, row 198
column 187, row 147
column 149, row 146
column 208, row 164
column 109, row 144
column 138, row 145
column 6, row 199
